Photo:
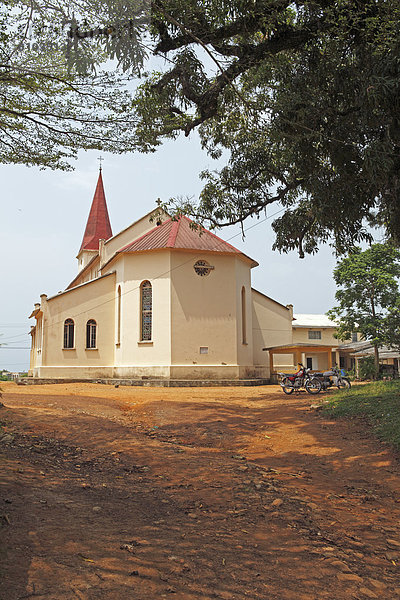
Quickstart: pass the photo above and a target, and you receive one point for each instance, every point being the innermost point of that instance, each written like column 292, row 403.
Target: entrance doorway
column 312, row 362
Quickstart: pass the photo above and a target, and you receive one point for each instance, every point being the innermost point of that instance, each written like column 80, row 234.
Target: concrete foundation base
column 150, row 382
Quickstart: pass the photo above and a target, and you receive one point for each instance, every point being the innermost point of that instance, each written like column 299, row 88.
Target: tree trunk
column 376, row 349
column 376, row 361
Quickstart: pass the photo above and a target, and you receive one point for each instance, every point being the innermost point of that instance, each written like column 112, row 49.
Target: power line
column 13, row 337
column 13, row 348
column 162, row 274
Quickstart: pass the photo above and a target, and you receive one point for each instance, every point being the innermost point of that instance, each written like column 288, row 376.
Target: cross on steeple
column 100, row 159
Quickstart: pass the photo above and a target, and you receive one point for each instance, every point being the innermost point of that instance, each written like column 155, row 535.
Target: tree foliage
column 54, row 99
column 367, row 368
column 301, row 100
column 368, row 295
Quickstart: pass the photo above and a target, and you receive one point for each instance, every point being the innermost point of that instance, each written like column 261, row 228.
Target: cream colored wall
column 32, row 354
column 244, row 350
column 92, row 273
column 131, row 271
column 300, row 335
column 283, row 362
column 84, row 257
column 272, row 326
column 91, row 301
column 204, row 311
column 321, row 361
column 36, row 343
column 130, row 234
column 87, row 275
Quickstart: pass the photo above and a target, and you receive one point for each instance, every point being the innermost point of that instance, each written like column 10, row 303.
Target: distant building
column 315, row 329
column 352, row 353
column 12, row 376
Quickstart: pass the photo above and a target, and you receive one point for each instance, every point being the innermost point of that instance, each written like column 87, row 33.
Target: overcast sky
column 44, row 213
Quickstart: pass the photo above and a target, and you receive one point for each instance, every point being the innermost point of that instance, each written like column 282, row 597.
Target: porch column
column 297, row 357
column 271, row 363
column 337, row 357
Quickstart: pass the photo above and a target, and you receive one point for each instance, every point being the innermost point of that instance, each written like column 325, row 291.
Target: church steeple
column 98, row 225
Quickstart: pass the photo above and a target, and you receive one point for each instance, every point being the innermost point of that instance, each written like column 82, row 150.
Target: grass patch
column 378, row 403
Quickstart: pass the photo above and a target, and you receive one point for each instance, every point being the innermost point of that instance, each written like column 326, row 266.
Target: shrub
column 366, row 368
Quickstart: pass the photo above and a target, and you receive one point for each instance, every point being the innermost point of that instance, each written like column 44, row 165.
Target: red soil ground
column 190, row 493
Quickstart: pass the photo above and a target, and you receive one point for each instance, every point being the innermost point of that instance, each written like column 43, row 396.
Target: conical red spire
column 98, row 225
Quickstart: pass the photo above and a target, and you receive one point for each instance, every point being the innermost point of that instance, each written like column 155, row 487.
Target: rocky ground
column 230, row 493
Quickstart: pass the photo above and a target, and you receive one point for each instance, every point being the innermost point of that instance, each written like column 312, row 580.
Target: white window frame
column 92, row 324
column 67, row 334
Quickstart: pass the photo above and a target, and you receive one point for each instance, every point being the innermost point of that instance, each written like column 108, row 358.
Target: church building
column 161, row 299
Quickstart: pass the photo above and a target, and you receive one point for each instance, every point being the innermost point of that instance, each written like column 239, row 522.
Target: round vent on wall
column 202, row 268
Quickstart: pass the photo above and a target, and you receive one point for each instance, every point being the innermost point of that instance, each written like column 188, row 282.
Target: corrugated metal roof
column 299, row 345
column 367, row 349
column 155, row 238
column 305, row 320
column 180, row 234
column 355, row 346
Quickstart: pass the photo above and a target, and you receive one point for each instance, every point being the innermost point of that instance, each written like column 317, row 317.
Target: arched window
column 244, row 332
column 91, row 334
column 146, row 309
column 69, row 328
column 119, row 315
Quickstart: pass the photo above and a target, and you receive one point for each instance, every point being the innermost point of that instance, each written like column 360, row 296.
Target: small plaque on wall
column 203, row 349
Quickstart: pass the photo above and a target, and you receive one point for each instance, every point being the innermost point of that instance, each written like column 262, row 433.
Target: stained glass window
column 69, row 333
column 146, row 310
column 91, row 334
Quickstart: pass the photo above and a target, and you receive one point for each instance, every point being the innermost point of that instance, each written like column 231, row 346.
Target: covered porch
column 313, row 356
column 389, row 358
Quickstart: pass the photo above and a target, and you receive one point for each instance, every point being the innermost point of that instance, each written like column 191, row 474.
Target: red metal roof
column 98, row 226
column 179, row 234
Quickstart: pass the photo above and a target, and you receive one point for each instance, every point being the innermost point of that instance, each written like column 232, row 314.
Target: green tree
column 392, row 326
column 302, row 100
column 367, row 368
column 299, row 98
column 54, row 98
column 368, row 294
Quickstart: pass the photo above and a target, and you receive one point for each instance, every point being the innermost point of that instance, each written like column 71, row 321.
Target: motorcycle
column 295, row 381
column 333, row 377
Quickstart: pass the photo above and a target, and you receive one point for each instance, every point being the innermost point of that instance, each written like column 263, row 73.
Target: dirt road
column 192, row 494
